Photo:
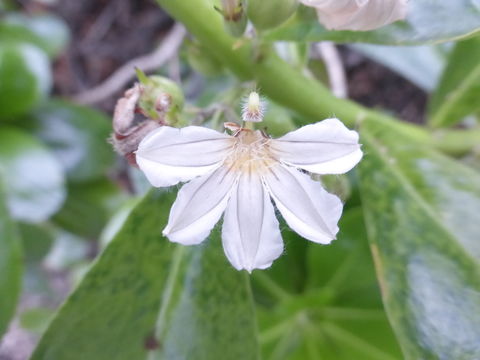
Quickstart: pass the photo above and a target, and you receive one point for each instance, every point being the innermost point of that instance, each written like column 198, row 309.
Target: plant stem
column 276, row 78
column 456, row 142
column 281, row 82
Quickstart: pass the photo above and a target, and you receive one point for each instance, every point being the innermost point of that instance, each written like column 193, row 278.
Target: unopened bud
column 154, row 102
column 234, row 16
column 253, row 108
column 127, row 130
column 160, row 98
column 267, row 14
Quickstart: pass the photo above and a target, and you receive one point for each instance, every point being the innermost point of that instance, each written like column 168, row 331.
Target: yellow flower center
column 251, row 153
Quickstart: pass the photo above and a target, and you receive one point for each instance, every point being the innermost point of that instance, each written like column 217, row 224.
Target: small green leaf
column 422, row 219
column 427, row 22
column 77, row 135
column 37, row 240
column 33, row 177
column 148, row 298
column 11, row 268
column 457, row 93
column 26, row 78
column 47, row 31
column 88, row 207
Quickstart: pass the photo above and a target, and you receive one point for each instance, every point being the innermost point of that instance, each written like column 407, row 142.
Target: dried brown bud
column 128, row 129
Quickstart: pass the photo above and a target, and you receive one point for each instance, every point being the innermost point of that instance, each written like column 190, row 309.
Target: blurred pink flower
column 359, row 15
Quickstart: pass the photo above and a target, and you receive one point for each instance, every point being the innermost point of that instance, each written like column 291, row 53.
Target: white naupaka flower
column 359, row 15
column 238, row 174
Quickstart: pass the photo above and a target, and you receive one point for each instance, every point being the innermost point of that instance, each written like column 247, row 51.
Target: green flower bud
column 267, row 14
column 233, row 12
column 160, row 98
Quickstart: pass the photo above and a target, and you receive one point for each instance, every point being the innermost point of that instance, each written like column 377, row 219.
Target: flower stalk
column 304, row 95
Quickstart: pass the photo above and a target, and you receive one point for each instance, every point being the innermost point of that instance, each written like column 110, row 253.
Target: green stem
column 456, row 142
column 277, row 79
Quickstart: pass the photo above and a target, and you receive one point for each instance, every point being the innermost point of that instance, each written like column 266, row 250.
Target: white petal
column 169, row 155
column 305, row 205
column 198, row 207
column 359, row 15
column 250, row 235
column 326, row 147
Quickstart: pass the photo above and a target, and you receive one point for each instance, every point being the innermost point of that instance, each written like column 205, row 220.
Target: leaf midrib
column 409, row 189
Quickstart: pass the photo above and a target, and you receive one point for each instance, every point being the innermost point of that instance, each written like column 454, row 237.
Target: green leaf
column 422, row 218
column 36, row 320
column 427, row 22
column 146, row 297
column 10, row 264
column 47, row 31
column 37, row 241
column 339, row 315
column 33, row 177
column 26, row 78
column 77, row 135
column 457, row 93
column 88, row 207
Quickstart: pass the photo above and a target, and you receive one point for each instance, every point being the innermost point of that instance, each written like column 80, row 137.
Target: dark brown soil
column 374, row 85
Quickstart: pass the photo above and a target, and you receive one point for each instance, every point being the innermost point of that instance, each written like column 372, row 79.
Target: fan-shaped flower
column 238, row 174
column 359, row 15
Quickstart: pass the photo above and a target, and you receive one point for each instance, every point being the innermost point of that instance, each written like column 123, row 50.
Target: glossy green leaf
column 457, row 93
column 339, row 314
column 33, row 177
column 26, row 78
column 88, row 207
column 47, row 31
column 427, row 22
column 37, row 241
column 10, row 264
column 422, row 219
column 16, row 33
column 77, row 135
column 148, row 298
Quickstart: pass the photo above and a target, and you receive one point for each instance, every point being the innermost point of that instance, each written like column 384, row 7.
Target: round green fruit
column 267, row 14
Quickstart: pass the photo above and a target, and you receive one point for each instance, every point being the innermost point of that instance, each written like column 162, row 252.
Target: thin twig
column 125, row 73
column 335, row 69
